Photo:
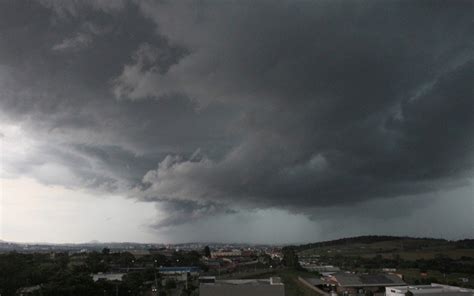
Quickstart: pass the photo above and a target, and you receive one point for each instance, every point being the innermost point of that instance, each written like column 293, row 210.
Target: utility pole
column 155, row 290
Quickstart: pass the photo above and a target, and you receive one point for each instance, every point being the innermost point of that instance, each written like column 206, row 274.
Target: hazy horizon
column 97, row 242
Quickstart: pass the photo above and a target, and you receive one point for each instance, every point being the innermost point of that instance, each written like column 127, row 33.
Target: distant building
column 226, row 253
column 178, row 274
column 247, row 253
column 139, row 253
column 108, row 276
column 276, row 254
column 213, row 264
column 167, row 252
column 192, row 270
column 356, row 284
column 250, row 287
column 428, row 290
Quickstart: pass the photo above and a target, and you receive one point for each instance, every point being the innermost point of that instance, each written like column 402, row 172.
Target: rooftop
column 248, row 282
column 431, row 289
column 180, row 269
column 367, row 280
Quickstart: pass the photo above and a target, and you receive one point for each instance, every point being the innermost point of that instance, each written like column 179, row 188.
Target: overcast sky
column 235, row 121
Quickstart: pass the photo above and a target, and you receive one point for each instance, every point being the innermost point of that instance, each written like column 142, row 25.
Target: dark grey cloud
column 349, row 101
column 186, row 211
column 210, row 106
column 58, row 63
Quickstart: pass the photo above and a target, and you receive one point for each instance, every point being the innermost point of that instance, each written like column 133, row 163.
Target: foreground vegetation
column 62, row 274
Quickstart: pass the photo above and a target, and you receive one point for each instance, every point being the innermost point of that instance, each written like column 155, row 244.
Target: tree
column 290, row 258
column 207, row 251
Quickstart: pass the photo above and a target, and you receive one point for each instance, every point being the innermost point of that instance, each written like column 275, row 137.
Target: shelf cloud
column 210, row 108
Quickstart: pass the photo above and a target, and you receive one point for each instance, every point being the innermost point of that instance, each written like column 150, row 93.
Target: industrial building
column 356, row 284
column 428, row 290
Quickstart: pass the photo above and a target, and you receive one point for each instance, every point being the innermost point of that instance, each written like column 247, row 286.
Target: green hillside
column 407, row 248
column 418, row 260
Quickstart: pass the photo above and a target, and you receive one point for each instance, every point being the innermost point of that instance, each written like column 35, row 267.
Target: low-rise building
column 428, row 290
column 248, row 287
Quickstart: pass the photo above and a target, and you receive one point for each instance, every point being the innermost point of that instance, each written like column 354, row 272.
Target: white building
column 428, row 290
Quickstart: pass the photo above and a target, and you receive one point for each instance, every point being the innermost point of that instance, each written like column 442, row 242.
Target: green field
column 418, row 260
column 407, row 249
column 413, row 275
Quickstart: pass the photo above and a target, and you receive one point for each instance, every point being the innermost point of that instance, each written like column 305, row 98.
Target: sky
column 235, row 121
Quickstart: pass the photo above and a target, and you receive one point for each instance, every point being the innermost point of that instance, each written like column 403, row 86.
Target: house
column 428, row 290
column 248, row 287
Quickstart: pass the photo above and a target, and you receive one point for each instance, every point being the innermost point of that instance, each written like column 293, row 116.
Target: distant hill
column 387, row 246
column 367, row 239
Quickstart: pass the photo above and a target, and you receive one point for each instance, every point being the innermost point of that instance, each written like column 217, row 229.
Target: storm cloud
column 212, row 107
